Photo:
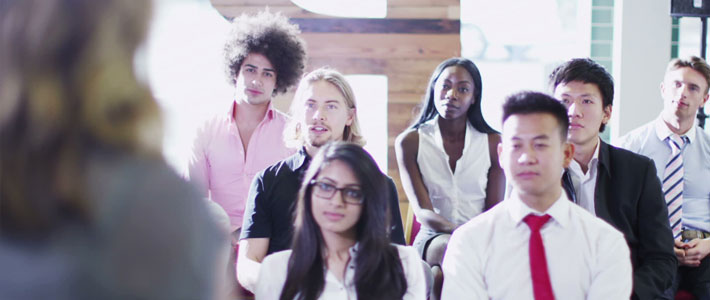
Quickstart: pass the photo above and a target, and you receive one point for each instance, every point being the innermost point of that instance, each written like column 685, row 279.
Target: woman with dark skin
column 448, row 160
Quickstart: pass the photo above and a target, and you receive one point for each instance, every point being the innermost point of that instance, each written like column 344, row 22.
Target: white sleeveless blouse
column 459, row 196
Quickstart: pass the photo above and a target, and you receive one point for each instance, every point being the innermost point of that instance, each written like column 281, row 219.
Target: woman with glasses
column 340, row 248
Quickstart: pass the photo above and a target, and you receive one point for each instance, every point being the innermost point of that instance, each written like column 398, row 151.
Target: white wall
column 642, row 39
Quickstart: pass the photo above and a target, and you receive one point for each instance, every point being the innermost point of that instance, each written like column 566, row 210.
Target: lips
column 527, row 175
column 254, row 92
column 333, row 217
column 575, row 126
column 449, row 106
column 318, row 129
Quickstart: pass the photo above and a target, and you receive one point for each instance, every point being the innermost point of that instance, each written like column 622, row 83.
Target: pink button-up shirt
column 222, row 171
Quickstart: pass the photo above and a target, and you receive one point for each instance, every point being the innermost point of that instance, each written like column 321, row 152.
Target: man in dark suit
column 616, row 185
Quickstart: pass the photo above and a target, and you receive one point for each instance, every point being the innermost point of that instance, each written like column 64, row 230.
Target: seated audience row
column 310, row 214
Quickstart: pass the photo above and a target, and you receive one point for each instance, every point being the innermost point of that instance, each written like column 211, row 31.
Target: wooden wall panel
column 426, row 46
column 397, row 12
column 406, row 58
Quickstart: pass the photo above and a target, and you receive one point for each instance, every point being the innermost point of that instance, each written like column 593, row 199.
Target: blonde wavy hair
column 67, row 86
column 293, row 135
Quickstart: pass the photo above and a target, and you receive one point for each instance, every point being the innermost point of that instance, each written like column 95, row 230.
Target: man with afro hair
column 264, row 56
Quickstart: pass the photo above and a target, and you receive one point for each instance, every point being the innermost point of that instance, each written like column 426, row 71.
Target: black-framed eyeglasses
column 327, row 191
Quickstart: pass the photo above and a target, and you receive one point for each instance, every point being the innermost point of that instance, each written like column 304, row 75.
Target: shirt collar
column 268, row 116
column 300, row 159
column 593, row 163
column 663, row 132
column 558, row 211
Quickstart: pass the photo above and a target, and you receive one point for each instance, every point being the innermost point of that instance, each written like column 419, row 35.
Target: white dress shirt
column 585, row 183
column 487, row 258
column 461, row 195
column 275, row 266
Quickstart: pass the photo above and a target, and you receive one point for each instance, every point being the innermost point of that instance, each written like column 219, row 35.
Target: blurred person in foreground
column 88, row 208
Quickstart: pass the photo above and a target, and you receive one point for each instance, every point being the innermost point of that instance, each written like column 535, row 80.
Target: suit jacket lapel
column 604, row 187
column 568, row 186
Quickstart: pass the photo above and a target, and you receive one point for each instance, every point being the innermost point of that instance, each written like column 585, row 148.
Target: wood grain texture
column 351, row 25
column 395, row 46
column 398, row 12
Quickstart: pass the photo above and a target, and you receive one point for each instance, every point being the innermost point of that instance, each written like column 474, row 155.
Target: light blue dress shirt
column 650, row 140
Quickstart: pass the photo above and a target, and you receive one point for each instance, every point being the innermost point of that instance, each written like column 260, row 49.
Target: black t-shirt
column 272, row 200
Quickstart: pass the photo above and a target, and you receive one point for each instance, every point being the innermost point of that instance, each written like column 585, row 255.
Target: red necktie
column 542, row 288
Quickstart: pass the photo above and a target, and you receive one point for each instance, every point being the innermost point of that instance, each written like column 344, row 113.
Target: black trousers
column 695, row 280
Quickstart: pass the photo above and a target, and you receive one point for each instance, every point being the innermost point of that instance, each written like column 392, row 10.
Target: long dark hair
column 474, row 114
column 378, row 270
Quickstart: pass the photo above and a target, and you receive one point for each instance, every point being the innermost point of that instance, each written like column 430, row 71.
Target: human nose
column 318, row 113
column 685, row 90
column 337, row 199
column 451, row 94
column 527, row 157
column 573, row 110
column 256, row 81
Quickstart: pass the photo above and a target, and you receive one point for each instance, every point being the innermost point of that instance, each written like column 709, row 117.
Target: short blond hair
column 293, row 135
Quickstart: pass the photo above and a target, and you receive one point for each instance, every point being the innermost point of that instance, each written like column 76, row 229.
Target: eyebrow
column 347, row 185
column 538, row 137
column 460, row 81
column 255, row 67
column 582, row 95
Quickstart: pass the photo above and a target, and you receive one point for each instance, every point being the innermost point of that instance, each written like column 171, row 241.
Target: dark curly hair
column 271, row 35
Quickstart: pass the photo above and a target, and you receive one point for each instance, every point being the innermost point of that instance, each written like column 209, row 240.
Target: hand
column 696, row 250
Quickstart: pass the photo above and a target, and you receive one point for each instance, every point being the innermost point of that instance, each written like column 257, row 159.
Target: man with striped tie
column 681, row 151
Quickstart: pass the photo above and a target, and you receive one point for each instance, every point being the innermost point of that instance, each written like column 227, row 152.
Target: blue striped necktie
column 673, row 183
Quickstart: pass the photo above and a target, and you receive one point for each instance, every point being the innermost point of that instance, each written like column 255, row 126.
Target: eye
column 269, row 74
column 250, row 70
column 310, row 105
column 694, row 88
column 325, row 186
column 463, row 90
column 445, row 86
column 540, row 146
column 564, row 101
column 678, row 84
column 587, row 101
column 332, row 106
column 353, row 193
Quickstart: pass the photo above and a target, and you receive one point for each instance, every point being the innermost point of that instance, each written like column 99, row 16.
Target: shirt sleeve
column 257, row 216
column 272, row 276
column 611, row 278
column 463, row 270
column 198, row 166
column 397, row 231
column 414, row 266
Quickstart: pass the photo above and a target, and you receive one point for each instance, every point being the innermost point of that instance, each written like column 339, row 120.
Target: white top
column 487, row 258
column 274, row 267
column 585, row 184
column 459, row 196
column 650, row 140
